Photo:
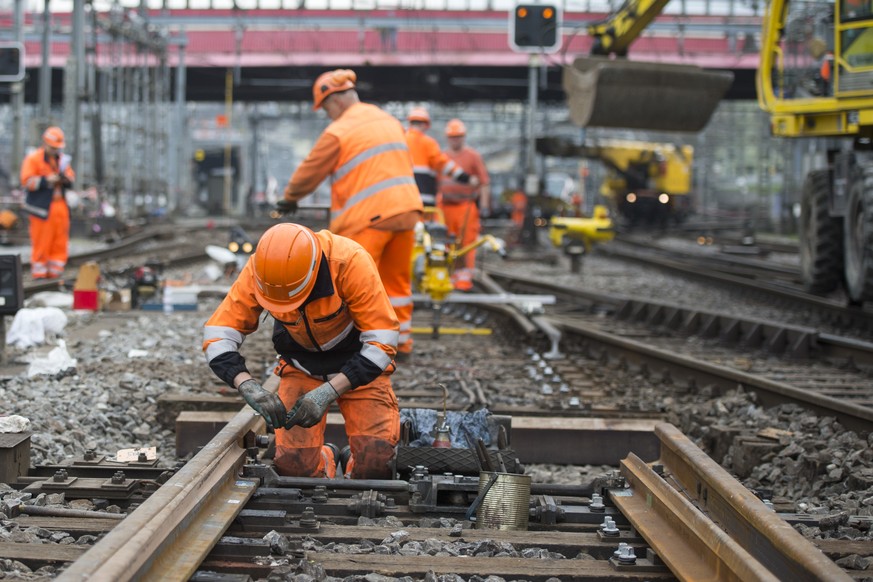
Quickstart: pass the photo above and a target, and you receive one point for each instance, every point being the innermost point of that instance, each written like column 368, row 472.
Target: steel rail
column 852, row 416
column 169, row 535
column 699, row 507
column 803, row 341
column 857, row 315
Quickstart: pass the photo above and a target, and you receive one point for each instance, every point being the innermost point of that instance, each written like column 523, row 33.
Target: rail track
column 682, row 517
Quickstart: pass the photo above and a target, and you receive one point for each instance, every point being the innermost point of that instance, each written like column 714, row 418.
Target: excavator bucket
column 605, row 92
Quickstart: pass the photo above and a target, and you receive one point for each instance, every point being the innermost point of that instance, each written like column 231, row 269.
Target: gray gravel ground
column 109, row 402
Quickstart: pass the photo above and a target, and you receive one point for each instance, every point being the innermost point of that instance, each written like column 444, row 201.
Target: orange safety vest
column 428, row 162
column 348, row 313
column 372, row 180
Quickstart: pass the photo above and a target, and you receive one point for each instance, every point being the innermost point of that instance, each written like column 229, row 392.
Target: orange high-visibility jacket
column 34, row 169
column 346, row 325
column 372, row 174
column 470, row 161
column 428, row 162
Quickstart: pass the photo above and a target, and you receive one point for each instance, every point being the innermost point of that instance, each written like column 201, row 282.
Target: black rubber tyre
column 858, row 237
column 821, row 236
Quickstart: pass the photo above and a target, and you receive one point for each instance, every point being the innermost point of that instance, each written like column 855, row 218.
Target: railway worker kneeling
column 336, row 335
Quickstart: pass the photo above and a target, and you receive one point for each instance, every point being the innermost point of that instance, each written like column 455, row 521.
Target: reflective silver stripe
column 370, row 191
column 229, row 340
column 300, row 367
column 33, row 183
column 401, row 301
column 403, row 338
column 423, row 170
column 366, row 155
column 339, row 337
column 428, row 199
column 36, row 210
column 383, row 336
column 376, row 355
column 451, row 168
column 405, row 325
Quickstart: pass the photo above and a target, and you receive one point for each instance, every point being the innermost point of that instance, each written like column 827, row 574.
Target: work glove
column 264, row 403
column 284, row 206
column 310, row 408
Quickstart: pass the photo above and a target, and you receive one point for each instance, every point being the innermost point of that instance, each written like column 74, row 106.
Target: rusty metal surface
column 766, row 536
column 137, row 545
column 692, row 546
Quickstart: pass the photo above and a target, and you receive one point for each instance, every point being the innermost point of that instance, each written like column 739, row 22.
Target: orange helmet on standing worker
column 53, row 137
column 419, row 114
column 286, row 264
column 456, row 128
column 332, row 82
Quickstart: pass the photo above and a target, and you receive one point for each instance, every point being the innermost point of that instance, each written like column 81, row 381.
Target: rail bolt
column 60, row 475
column 118, row 478
column 608, row 527
column 626, row 555
column 596, row 504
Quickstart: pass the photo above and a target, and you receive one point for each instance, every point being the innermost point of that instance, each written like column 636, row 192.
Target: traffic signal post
column 535, row 29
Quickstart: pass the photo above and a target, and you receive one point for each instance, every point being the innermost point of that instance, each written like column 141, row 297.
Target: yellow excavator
column 603, row 91
column 646, row 184
column 816, row 80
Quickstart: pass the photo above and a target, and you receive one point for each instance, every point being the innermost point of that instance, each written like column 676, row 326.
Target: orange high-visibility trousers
column 372, row 419
column 392, row 251
column 462, row 222
column 50, row 240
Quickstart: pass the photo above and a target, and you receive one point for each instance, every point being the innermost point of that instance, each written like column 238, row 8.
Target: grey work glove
column 265, row 403
column 310, row 408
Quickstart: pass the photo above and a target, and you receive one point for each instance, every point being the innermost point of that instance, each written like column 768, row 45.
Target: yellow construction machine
column 577, row 235
column 645, row 184
column 816, row 81
column 434, row 256
column 614, row 92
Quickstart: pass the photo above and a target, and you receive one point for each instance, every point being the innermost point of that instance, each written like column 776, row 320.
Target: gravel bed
column 109, row 402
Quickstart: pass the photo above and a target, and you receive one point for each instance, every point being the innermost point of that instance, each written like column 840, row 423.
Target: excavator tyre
column 617, row 93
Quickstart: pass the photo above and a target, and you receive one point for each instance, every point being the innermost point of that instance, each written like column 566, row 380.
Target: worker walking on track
column 336, row 336
column 462, row 204
column 374, row 200
column 45, row 176
column 429, row 162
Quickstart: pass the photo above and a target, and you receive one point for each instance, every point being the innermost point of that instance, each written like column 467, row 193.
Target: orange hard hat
column 53, row 137
column 419, row 114
column 286, row 265
column 332, row 82
column 455, row 128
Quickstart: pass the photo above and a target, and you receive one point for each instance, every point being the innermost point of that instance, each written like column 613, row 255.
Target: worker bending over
column 462, row 204
column 336, row 335
column 374, row 200
column 428, row 160
column 45, row 176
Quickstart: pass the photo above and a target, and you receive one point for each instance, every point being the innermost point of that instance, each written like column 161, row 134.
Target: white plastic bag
column 56, row 361
column 31, row 326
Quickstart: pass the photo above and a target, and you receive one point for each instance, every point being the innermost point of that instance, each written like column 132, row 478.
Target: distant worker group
column 429, row 162
column 46, row 174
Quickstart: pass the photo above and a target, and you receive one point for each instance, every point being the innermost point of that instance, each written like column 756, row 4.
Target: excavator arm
column 615, row 34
